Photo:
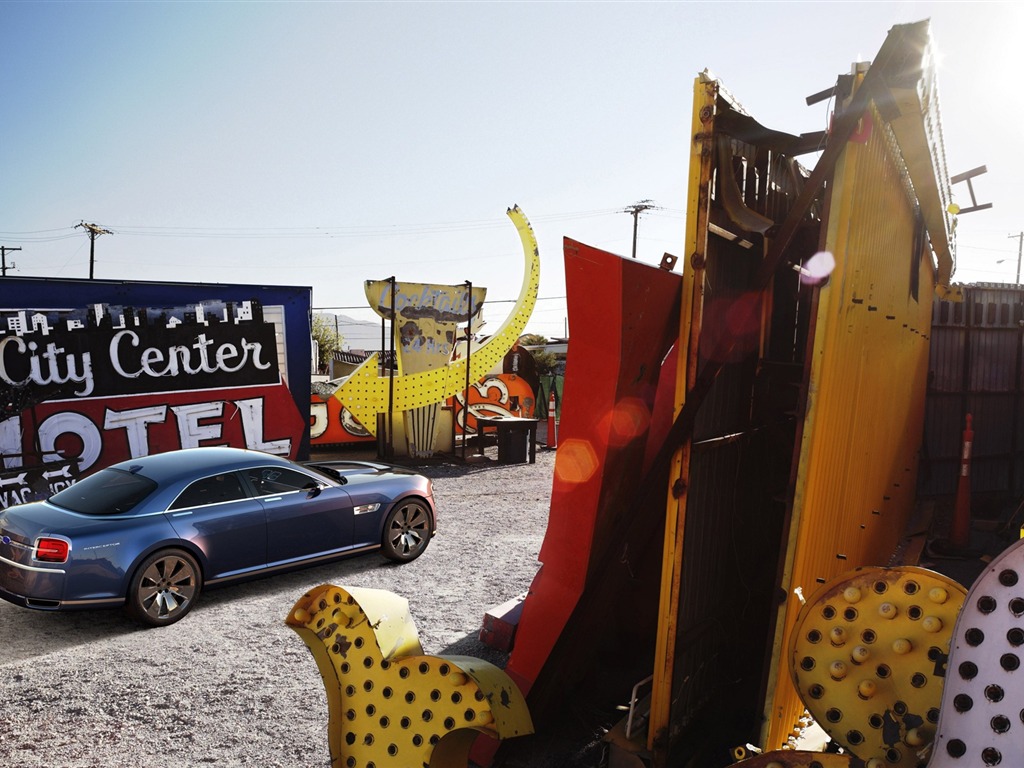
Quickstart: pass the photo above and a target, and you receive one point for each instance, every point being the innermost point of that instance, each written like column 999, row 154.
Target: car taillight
column 52, row 550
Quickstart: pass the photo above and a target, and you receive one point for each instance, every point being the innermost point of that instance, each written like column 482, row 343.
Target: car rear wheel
column 164, row 588
column 406, row 531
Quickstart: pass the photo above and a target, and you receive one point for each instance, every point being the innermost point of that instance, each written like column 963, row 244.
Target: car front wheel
column 406, row 531
column 164, row 588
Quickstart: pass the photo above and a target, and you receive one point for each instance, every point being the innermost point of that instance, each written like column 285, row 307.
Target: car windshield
column 108, row 492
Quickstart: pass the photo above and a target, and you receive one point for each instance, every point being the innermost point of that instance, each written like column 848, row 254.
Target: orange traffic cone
column 960, row 531
column 552, row 426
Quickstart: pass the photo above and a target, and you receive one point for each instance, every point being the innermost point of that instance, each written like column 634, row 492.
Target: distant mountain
column 355, row 334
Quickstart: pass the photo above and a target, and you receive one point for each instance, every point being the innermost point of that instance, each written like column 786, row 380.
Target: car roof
column 192, row 462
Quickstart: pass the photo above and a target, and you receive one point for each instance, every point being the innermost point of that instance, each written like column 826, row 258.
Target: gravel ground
column 230, row 684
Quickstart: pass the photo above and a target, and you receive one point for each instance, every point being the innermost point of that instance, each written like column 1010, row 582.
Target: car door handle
column 273, row 498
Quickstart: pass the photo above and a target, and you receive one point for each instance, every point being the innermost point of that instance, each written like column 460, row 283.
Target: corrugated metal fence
column 975, row 368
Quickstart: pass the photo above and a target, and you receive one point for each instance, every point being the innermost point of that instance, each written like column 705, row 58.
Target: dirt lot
column 231, row 684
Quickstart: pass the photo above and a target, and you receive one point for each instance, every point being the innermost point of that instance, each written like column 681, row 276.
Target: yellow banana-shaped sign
column 365, row 393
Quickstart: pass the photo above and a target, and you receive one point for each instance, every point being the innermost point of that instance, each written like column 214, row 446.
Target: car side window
column 270, row 480
column 211, row 490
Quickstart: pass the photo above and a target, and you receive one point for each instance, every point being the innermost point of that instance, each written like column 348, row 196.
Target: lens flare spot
column 743, row 318
column 576, row 461
column 732, row 326
column 817, row 268
column 628, row 420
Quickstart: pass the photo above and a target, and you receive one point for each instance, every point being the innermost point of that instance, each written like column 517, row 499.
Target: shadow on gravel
column 27, row 634
column 291, row 586
column 470, row 645
column 441, row 466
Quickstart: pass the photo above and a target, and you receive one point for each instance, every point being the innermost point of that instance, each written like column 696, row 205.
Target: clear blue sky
column 328, row 143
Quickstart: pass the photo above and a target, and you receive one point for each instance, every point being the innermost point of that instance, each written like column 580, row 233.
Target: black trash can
column 512, row 445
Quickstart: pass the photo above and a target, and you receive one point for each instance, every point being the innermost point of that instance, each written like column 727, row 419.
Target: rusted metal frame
column 774, row 664
column 843, row 129
column 747, row 129
column 732, row 194
column 872, row 88
column 975, row 205
column 1014, row 441
column 762, row 165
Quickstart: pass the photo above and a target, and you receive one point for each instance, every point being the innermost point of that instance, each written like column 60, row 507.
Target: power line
column 326, row 231
column 36, row 238
column 371, row 232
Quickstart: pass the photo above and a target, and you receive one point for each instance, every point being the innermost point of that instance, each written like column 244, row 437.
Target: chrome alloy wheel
column 407, row 531
column 164, row 588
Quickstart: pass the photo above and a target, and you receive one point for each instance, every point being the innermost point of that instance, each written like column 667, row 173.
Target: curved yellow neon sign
column 365, row 393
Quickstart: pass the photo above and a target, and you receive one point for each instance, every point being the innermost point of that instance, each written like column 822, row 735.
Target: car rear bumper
column 33, row 579
column 25, row 598
column 31, row 586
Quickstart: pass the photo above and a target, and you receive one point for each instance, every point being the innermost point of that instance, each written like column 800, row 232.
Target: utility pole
column 93, row 231
column 3, row 258
column 1020, row 250
column 636, row 209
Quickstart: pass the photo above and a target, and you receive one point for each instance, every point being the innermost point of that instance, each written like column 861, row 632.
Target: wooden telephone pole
column 93, row 231
column 636, row 209
column 1020, row 249
column 3, row 258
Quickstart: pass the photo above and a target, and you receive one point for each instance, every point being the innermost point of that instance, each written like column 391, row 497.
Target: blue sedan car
column 151, row 533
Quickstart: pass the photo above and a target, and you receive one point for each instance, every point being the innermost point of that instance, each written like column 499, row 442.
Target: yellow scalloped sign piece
column 388, row 703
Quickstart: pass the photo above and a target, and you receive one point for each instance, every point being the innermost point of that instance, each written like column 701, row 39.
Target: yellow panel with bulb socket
column 868, row 656
column 389, row 705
